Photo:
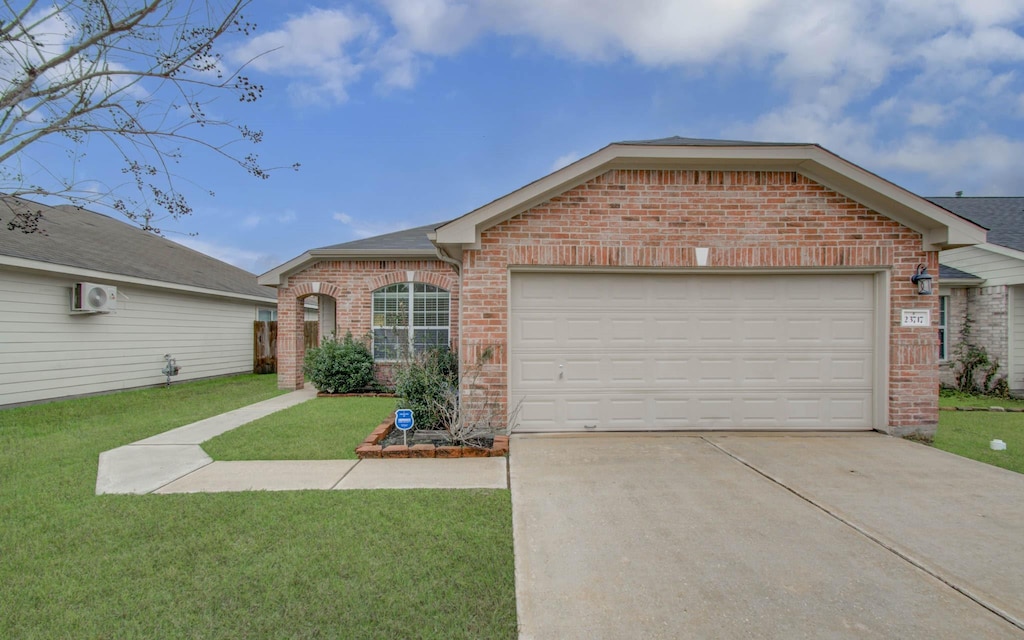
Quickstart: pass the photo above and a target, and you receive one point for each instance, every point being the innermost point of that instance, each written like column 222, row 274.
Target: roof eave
column 29, row 264
column 951, row 282
column 276, row 276
column 940, row 229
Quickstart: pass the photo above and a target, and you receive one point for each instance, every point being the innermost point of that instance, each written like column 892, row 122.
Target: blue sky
column 404, row 112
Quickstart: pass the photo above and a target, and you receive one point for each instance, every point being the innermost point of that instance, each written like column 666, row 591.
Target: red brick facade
column 351, row 284
column 756, row 220
column 653, row 219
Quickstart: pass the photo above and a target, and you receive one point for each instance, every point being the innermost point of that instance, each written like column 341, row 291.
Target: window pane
column 424, row 339
column 389, row 344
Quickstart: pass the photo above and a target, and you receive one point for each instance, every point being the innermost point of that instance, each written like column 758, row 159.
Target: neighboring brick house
column 663, row 284
column 988, row 286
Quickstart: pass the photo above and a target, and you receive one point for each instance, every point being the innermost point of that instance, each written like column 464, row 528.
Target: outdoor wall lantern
column 922, row 280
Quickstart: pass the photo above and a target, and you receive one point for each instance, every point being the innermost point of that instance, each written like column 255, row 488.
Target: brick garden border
column 370, row 447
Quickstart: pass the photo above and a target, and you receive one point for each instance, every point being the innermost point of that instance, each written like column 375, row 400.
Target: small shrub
column 339, row 366
column 420, row 381
column 971, row 360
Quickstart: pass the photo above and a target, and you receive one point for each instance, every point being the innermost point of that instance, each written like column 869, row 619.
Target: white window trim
column 409, row 327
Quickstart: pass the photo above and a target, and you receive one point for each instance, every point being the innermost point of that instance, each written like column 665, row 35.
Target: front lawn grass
column 318, row 429
column 954, row 399
column 968, row 433
column 309, row 564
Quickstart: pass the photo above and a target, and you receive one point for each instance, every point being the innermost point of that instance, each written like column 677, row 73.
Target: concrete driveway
column 763, row 536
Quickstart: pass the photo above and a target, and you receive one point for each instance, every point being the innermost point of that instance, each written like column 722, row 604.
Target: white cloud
column 287, row 216
column 251, row 222
column 928, row 115
column 854, row 75
column 251, row 261
column 988, row 164
column 312, row 48
column 565, row 160
column 366, row 228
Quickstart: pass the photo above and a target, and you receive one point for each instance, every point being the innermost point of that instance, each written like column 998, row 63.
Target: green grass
column 319, row 429
column 954, row 399
column 309, row 564
column 968, row 433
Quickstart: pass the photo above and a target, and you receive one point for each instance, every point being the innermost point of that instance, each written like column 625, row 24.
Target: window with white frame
column 409, row 317
column 943, row 334
column 264, row 314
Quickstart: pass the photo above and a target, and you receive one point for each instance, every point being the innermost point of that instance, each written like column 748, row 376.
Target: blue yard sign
column 404, row 419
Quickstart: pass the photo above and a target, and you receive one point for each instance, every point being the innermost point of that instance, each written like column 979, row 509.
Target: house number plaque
column 916, row 318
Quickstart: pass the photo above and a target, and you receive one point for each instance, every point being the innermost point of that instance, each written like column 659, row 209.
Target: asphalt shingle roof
column 678, row 141
column 405, row 240
column 1003, row 217
column 85, row 239
column 949, row 273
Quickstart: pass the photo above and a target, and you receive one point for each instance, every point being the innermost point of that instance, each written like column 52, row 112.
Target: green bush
column 339, row 366
column 423, row 383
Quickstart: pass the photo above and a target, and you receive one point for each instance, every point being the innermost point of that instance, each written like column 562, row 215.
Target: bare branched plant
column 137, row 79
column 475, row 420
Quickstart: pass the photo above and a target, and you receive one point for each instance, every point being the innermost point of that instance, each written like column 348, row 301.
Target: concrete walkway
column 174, row 462
column 766, row 536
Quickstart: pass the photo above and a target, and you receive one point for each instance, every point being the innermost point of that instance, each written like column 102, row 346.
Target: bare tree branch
column 136, row 77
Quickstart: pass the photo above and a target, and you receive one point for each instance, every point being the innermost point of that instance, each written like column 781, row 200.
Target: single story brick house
column 985, row 282
column 663, row 285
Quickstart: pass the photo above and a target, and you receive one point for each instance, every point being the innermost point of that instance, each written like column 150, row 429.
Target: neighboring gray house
column 986, row 282
column 150, row 297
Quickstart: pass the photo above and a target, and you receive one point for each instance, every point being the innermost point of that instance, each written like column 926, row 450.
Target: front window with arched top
column 409, row 317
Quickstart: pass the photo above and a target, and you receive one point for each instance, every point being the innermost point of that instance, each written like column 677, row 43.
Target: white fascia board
column 1003, row 251
column 940, row 228
column 465, row 230
column 961, row 282
column 91, row 275
column 275, row 276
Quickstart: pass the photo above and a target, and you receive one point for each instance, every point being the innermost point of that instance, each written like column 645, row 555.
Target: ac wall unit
column 87, row 297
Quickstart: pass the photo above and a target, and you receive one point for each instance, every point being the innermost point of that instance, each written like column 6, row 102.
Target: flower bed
column 371, row 447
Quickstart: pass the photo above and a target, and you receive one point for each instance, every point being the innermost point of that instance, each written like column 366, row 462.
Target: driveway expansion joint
column 873, row 537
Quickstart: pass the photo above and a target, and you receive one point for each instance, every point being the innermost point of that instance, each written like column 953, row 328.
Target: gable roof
column 408, row 243
column 940, row 229
column 84, row 242
column 1004, row 217
column 407, row 239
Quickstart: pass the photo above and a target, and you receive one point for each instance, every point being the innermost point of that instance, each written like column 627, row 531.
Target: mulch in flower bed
column 386, row 441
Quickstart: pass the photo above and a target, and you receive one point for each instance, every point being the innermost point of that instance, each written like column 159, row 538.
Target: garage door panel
column 654, row 372
column 583, row 331
column 626, row 331
column 693, row 352
column 671, row 332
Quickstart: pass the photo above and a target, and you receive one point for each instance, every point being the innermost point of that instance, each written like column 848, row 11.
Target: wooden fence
column 264, row 343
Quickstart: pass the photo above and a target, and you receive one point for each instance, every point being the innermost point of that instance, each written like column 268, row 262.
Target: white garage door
column 617, row 352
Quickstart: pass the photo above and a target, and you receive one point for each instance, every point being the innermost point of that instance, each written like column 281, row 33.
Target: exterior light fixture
column 922, row 280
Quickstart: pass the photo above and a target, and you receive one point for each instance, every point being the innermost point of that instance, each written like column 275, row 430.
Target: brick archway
column 291, row 316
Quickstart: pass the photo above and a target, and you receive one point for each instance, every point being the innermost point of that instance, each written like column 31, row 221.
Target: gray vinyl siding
column 46, row 352
column 996, row 269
